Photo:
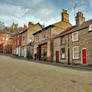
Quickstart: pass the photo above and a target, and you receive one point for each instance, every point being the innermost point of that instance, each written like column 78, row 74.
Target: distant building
column 17, row 38
column 4, row 37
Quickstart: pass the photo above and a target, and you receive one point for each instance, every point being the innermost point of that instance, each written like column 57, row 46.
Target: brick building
column 4, row 37
column 74, row 44
column 43, row 43
column 16, row 45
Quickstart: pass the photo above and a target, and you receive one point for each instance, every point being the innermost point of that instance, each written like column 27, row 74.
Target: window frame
column 90, row 28
column 73, row 40
column 64, row 53
column 63, row 39
column 74, row 53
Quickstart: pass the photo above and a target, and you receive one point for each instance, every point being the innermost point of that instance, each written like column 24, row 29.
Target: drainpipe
column 51, row 44
column 68, row 52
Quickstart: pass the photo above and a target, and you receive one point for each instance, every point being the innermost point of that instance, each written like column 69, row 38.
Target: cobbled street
column 18, row 75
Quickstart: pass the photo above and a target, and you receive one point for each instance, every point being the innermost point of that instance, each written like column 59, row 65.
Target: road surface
column 22, row 76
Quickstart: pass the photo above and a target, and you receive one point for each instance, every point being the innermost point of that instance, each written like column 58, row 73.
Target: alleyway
column 22, row 76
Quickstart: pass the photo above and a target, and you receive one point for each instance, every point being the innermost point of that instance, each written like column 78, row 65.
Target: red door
column 57, row 56
column 84, row 57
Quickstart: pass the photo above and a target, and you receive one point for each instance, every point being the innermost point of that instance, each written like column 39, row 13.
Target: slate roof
column 75, row 28
column 50, row 26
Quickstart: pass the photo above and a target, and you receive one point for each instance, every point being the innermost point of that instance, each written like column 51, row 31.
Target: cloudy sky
column 43, row 11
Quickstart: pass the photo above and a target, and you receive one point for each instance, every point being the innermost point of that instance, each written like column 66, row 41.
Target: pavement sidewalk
column 72, row 66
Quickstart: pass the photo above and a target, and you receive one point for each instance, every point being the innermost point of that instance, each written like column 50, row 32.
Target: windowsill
column 89, row 30
column 76, row 59
column 63, row 43
column 75, row 41
column 63, row 58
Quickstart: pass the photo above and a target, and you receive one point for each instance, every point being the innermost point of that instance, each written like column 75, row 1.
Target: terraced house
column 27, row 38
column 74, row 45
column 43, row 43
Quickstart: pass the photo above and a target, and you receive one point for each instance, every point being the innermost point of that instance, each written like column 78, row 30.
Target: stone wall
column 84, row 41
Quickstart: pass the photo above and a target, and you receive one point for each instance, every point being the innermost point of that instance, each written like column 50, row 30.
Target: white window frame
column 90, row 27
column 63, row 54
column 73, row 37
column 73, row 52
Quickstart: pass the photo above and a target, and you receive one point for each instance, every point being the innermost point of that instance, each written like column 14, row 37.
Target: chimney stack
column 30, row 24
column 65, row 16
column 79, row 18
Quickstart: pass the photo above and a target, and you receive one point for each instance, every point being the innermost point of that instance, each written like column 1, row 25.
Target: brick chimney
column 25, row 27
column 65, row 16
column 79, row 18
column 30, row 24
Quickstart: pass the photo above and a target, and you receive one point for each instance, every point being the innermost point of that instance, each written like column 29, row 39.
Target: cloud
column 43, row 11
column 91, row 3
column 76, row 7
column 18, row 14
column 35, row 2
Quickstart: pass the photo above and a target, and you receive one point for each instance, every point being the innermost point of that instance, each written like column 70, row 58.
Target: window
column 44, row 37
column 62, row 40
column 63, row 53
column 18, row 42
column 37, row 38
column 90, row 27
column 76, row 52
column 75, row 36
column 3, row 38
column 15, row 42
column 23, row 37
column 7, row 38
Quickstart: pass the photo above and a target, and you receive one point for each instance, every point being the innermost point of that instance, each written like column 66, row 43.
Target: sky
column 45, row 12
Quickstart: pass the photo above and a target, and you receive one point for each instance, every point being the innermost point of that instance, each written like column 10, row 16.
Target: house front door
column 57, row 56
column 84, row 57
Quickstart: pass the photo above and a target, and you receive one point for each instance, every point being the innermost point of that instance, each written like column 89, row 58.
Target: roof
column 43, row 29
column 75, row 28
column 39, row 25
column 60, row 22
column 24, row 31
column 68, row 30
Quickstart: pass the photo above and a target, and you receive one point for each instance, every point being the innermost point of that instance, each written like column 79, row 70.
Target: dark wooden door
column 57, row 56
column 39, row 52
